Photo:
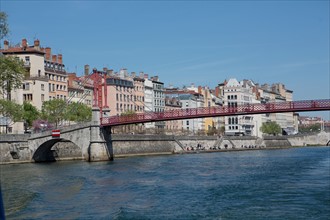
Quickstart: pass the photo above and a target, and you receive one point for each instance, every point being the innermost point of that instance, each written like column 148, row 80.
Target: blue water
column 256, row 184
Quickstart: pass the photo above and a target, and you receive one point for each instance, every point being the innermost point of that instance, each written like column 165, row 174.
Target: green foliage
column 310, row 128
column 30, row 114
column 53, row 110
column 4, row 29
column 12, row 74
column 11, row 110
column 128, row 113
column 270, row 128
column 78, row 112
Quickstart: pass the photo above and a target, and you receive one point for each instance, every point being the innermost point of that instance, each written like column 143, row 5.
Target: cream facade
column 45, row 79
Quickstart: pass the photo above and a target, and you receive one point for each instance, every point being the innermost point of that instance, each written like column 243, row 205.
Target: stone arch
column 57, row 149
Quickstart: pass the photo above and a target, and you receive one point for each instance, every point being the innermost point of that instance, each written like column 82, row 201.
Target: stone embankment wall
column 127, row 145
column 16, row 149
column 321, row 138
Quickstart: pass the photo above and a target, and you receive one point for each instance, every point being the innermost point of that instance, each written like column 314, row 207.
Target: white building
column 240, row 93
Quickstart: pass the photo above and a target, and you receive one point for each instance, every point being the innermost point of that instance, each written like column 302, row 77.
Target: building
column 189, row 99
column 173, row 104
column 239, row 93
column 80, row 89
column 46, row 77
column 154, row 99
column 278, row 93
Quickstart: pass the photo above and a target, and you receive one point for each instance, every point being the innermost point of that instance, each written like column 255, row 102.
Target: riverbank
column 17, row 149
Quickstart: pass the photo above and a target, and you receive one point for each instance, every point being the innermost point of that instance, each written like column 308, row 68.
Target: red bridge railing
column 247, row 109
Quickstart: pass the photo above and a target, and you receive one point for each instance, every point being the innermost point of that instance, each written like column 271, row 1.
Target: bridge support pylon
column 97, row 150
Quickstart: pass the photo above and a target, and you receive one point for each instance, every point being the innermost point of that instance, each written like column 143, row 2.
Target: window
column 27, row 97
column 43, row 87
column 42, row 97
column 26, row 86
column 187, row 122
column 39, row 73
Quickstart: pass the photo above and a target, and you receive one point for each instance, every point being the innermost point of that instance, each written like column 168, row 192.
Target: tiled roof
column 21, row 50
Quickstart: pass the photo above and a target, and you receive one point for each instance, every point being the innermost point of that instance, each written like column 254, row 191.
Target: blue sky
column 184, row 42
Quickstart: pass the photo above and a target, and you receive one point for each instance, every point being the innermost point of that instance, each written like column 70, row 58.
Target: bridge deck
column 216, row 111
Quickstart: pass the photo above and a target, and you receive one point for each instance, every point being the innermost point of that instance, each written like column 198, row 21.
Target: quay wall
column 16, row 149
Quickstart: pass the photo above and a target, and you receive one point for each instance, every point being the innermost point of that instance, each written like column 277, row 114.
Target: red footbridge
column 218, row 111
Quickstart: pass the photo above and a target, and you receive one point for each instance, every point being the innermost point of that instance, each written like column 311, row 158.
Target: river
column 258, row 184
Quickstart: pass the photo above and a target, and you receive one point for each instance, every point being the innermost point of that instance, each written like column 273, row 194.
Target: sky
column 185, row 42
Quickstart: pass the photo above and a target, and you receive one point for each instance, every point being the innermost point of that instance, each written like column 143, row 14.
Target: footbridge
column 94, row 138
column 217, row 111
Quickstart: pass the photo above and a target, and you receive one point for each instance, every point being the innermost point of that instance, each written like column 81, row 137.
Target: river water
column 257, row 184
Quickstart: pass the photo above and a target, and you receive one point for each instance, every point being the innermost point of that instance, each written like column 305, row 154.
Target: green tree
column 78, row 112
column 53, row 111
column 128, row 113
column 4, row 28
column 12, row 111
column 12, row 73
column 30, row 114
column 310, row 128
column 270, row 128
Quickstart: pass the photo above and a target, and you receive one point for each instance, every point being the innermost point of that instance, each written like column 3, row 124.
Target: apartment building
column 278, row 93
column 189, row 99
column 239, row 93
column 138, row 92
column 173, row 104
column 120, row 92
column 46, row 77
column 80, row 89
column 211, row 99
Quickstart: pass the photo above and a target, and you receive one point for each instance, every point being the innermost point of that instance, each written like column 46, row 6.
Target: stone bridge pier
column 99, row 149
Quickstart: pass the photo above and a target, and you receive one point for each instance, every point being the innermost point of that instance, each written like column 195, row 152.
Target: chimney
column 54, row 58
column 110, row 72
column 86, row 67
column 133, row 74
column 6, row 45
column 59, row 59
column 146, row 76
column 24, row 44
column 105, row 69
column 48, row 52
column 155, row 78
column 217, row 92
column 36, row 44
column 199, row 89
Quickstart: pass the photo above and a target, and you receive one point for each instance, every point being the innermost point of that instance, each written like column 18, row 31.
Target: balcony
column 27, row 64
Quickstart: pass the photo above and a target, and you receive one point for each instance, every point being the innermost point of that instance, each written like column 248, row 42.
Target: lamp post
column 256, row 128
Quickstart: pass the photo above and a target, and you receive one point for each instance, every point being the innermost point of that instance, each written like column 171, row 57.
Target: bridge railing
column 216, row 111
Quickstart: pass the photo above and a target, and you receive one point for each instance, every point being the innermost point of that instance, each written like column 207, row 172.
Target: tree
column 30, row 114
column 310, row 128
column 4, row 29
column 78, row 112
column 270, row 128
column 12, row 73
column 53, row 111
column 11, row 111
